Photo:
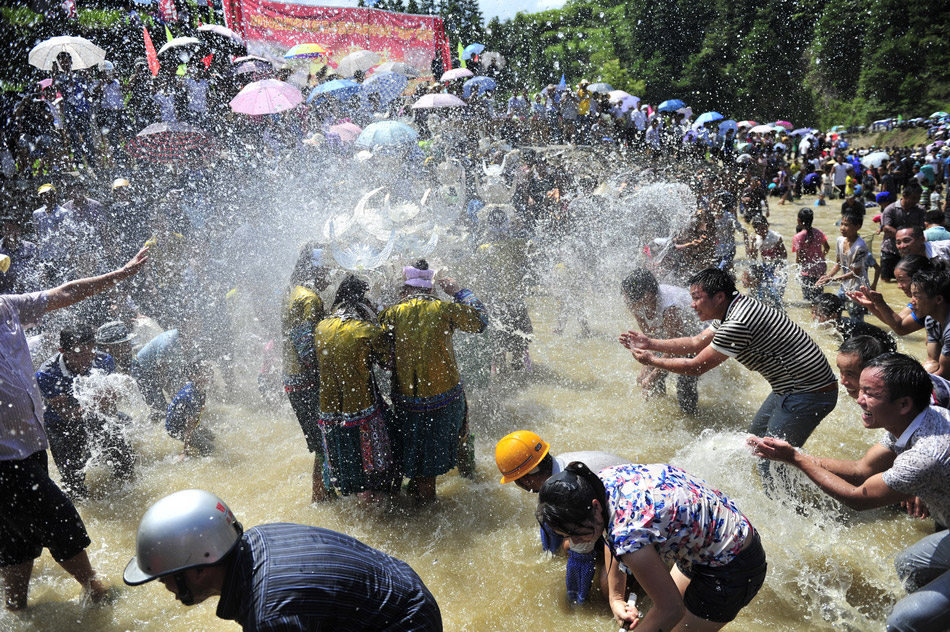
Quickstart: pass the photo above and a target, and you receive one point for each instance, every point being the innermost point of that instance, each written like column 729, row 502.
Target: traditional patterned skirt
column 428, row 431
column 357, row 450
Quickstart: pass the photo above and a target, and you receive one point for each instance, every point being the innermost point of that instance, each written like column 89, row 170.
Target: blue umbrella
column 341, row 89
column 670, row 105
column 482, row 84
column 709, row 117
column 388, row 85
column 386, row 133
column 472, row 49
column 727, row 125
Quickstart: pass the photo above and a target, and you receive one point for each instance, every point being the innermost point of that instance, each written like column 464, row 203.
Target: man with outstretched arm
column 34, row 512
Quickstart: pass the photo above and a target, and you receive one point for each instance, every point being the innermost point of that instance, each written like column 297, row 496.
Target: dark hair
column 853, row 218
column 638, row 284
column 713, row 280
column 914, row 229
column 904, row 377
column 806, row 217
column 759, row 220
column 351, row 291
column 911, row 189
column 933, row 283
column 421, row 264
column 566, row 499
column 934, row 217
column 304, row 269
column 829, row 304
column 866, row 348
column 912, row 264
column 72, row 337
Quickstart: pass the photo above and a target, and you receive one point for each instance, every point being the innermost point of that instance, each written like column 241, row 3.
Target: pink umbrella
column 346, row 131
column 456, row 73
column 742, row 124
column 439, row 100
column 784, row 124
column 268, row 96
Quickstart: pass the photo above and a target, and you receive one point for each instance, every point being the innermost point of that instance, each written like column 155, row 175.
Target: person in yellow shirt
column 353, row 417
column 302, row 311
column 427, row 392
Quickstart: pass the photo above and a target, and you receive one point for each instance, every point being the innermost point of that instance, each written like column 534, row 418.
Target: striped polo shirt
column 292, row 577
column 765, row 340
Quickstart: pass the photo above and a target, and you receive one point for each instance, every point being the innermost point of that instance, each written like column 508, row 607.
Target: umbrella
column 709, row 117
column 744, row 158
column 938, row 115
column 482, row 84
column 600, row 88
column 268, row 96
column 670, row 105
column 241, row 60
column 358, row 61
column 348, row 132
column 251, row 67
column 386, row 133
column 761, row 129
column 784, row 124
column 178, row 44
column 472, row 49
column 171, row 143
column 439, row 100
column 801, row 131
column 456, row 73
column 778, row 128
column 839, row 129
column 398, row 67
column 626, row 100
column 388, row 85
column 491, row 57
column 686, row 111
column 219, row 34
column 84, row 53
column 728, row 124
column 746, row 124
column 875, row 159
column 306, row 51
column 341, row 89
column 743, row 146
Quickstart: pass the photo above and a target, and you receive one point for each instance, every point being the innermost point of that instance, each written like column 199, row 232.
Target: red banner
column 273, row 27
column 168, row 11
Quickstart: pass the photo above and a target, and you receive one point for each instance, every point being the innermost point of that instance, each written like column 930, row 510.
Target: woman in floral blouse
column 651, row 516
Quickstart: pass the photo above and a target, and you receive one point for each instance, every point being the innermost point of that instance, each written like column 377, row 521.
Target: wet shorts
column 35, row 513
column 718, row 593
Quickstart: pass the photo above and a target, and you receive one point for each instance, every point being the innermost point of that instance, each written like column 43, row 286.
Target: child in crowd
column 851, row 260
column 183, row 420
column 810, row 247
column 769, row 273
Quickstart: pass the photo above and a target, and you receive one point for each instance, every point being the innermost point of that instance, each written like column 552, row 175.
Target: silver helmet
column 183, row 530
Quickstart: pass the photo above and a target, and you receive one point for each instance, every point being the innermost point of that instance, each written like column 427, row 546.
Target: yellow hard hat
column 518, row 453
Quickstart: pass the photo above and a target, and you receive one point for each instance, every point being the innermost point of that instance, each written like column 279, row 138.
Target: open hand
column 634, row 340
column 772, row 448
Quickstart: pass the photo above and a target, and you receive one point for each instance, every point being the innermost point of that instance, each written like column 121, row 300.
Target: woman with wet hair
column 650, row 516
column 353, row 418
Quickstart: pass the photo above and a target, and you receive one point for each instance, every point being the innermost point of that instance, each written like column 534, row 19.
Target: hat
column 44, row 188
column 119, row 183
column 113, row 333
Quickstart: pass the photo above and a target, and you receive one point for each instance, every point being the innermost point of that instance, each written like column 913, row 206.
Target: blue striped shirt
column 290, row 578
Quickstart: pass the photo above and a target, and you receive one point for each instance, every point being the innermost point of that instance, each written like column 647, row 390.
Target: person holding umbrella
column 76, row 108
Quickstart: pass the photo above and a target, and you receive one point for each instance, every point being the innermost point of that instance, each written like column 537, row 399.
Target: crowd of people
column 372, row 375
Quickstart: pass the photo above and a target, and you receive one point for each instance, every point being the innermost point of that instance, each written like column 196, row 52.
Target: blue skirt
column 429, row 439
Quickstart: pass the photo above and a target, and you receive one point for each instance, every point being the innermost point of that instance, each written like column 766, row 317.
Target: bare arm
column 651, row 573
column 902, row 323
column 75, row 291
column 677, row 346
column 704, row 361
column 869, row 493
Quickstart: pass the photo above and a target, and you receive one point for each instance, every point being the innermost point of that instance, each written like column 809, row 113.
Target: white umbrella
column 875, row 160
column 84, row 53
column 398, row 67
column 761, row 129
column 358, row 61
column 180, row 42
column 625, row 99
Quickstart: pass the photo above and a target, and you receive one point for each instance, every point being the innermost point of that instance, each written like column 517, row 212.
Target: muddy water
column 478, row 548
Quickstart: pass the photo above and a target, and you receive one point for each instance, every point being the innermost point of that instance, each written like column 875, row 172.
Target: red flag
column 150, row 53
column 167, row 10
column 69, row 6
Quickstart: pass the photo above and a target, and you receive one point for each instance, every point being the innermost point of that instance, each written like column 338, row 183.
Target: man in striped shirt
column 276, row 577
column 762, row 339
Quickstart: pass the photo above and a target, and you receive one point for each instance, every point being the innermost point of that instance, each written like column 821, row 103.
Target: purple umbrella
column 268, row 96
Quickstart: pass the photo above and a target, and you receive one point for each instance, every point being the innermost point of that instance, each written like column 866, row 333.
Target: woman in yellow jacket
column 353, row 417
column 427, row 392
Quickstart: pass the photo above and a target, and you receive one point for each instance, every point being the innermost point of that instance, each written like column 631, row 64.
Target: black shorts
column 35, row 513
column 306, row 405
column 718, row 593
